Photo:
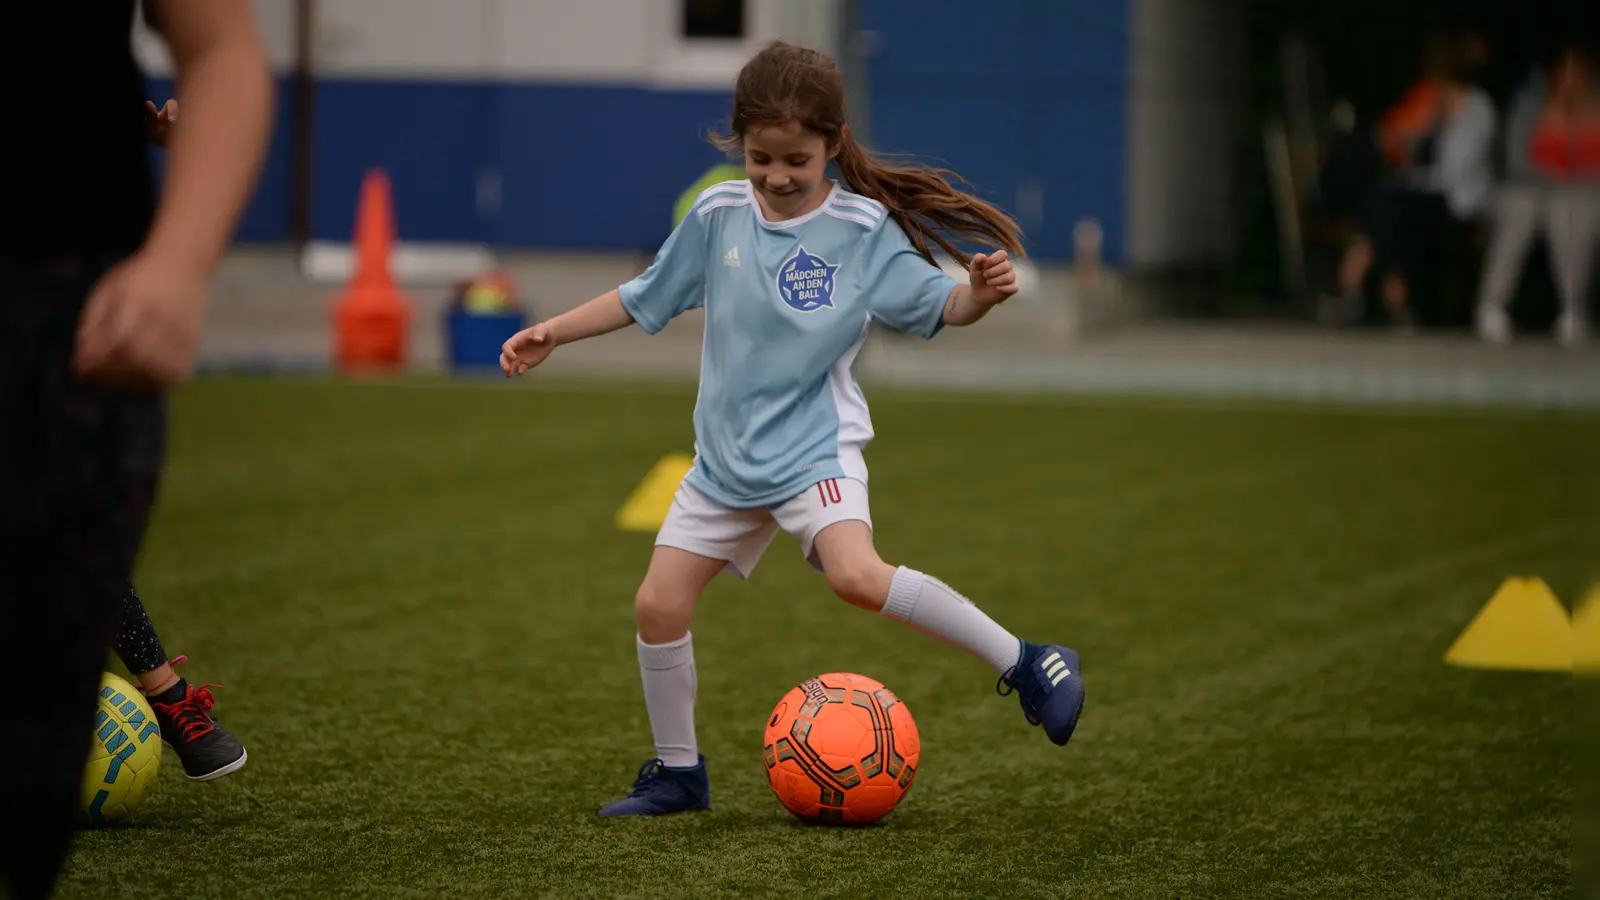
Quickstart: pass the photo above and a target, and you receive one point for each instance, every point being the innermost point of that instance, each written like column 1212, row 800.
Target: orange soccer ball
column 841, row 749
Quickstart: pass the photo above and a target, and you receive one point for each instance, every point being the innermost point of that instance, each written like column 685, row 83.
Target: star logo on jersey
column 805, row 282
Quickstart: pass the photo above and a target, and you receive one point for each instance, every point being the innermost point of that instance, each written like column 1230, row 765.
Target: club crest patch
column 805, row 282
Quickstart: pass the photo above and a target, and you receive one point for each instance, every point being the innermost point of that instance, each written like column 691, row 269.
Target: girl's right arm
column 674, row 283
column 531, row 346
column 602, row 315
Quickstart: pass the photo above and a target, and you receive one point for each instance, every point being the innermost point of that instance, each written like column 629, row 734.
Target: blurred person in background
column 1552, row 184
column 1438, row 140
column 102, row 294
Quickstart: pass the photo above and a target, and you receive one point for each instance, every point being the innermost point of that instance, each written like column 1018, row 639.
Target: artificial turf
column 421, row 613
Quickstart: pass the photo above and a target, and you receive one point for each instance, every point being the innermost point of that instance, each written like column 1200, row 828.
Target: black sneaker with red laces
column 207, row 750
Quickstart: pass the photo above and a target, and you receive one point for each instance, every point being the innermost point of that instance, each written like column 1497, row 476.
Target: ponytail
column 924, row 203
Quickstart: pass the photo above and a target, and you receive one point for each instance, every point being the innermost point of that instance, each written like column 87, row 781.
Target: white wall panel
column 594, row 41
column 274, row 18
column 419, row 39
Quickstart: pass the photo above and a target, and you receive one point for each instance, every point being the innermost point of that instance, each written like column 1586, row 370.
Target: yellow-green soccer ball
column 125, row 757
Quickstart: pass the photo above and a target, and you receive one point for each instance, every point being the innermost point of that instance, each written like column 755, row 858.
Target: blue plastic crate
column 474, row 339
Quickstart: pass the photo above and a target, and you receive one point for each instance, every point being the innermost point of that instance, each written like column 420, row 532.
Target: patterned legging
column 137, row 644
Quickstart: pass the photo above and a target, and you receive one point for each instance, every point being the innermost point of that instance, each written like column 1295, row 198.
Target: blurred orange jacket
column 1411, row 117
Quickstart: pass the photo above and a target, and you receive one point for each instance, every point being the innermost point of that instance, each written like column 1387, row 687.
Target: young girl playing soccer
column 791, row 267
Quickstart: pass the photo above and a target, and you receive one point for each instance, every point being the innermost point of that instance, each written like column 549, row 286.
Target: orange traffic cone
column 372, row 316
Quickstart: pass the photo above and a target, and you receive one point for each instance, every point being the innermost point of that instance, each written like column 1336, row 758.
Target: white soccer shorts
column 703, row 526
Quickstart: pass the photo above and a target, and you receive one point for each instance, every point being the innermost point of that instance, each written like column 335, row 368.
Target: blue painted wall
column 1020, row 94
column 1023, row 94
column 267, row 217
column 433, row 138
column 581, row 167
column 599, row 168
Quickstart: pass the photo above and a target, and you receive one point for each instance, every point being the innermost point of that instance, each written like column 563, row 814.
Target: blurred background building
column 1198, row 179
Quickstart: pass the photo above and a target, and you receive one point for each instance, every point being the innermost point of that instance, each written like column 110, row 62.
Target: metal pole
column 854, row 50
column 302, row 97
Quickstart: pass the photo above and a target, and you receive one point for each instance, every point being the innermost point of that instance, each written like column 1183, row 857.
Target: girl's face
column 787, row 164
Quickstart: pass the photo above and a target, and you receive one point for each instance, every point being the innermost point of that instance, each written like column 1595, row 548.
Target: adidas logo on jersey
column 731, row 258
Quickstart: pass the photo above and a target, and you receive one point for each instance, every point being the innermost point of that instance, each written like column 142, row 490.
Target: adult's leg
column 79, row 467
column 1573, row 227
column 1516, row 219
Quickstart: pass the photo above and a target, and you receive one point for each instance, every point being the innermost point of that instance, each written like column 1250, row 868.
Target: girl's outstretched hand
column 526, row 349
column 993, row 280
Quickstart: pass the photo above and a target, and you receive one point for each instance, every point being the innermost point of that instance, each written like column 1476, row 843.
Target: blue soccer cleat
column 661, row 791
column 1048, row 683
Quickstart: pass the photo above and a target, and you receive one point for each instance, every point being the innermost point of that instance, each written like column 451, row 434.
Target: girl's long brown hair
column 787, row 83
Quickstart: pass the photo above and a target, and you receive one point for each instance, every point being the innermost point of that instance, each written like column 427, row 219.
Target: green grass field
column 422, row 617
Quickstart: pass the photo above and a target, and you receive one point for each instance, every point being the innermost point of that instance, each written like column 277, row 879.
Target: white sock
column 667, row 671
column 930, row 606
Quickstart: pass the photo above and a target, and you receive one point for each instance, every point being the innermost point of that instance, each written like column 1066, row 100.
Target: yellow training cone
column 646, row 508
column 1586, row 634
column 1523, row 626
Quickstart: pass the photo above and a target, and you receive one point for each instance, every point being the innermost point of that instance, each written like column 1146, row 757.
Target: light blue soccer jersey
column 787, row 307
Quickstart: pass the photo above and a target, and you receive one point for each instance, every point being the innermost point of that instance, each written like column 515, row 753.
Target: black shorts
column 1411, row 231
column 79, row 468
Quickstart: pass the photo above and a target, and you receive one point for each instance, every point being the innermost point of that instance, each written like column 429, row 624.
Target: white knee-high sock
column 931, row 606
column 667, row 671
